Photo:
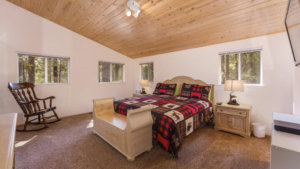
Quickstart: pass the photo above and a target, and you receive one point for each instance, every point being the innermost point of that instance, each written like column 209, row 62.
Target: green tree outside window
column 241, row 66
column 33, row 69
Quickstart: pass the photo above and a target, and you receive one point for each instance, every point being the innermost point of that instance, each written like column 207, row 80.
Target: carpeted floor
column 70, row 144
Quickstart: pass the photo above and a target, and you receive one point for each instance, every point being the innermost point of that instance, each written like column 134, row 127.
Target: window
column 242, row 66
column 147, row 71
column 111, row 72
column 43, row 69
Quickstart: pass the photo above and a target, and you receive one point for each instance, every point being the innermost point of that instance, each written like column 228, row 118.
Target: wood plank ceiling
column 294, row 14
column 163, row 25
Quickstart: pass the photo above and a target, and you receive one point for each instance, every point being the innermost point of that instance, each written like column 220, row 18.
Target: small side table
column 285, row 147
column 233, row 118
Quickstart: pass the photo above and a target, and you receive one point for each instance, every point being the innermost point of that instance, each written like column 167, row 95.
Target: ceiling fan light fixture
column 136, row 13
column 128, row 12
column 134, row 8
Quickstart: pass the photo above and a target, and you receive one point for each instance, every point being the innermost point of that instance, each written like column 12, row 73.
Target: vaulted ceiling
column 163, row 25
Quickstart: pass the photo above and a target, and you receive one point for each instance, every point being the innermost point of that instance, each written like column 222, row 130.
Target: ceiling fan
column 133, row 8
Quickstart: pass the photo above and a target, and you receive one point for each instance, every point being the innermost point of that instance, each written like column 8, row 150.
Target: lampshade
column 144, row 83
column 234, row 85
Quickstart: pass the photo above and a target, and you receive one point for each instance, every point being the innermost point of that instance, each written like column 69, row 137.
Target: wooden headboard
column 189, row 80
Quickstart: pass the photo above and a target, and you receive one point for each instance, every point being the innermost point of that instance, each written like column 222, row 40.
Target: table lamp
column 144, row 83
column 233, row 86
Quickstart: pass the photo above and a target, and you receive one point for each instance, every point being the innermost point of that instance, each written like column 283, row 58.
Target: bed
column 174, row 117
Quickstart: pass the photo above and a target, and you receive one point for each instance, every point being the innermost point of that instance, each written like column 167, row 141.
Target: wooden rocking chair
column 30, row 105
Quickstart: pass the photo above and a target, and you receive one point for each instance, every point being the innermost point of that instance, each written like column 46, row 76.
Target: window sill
column 103, row 83
column 52, row 84
column 256, row 85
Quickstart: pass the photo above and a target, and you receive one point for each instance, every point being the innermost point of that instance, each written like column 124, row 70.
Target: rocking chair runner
column 26, row 98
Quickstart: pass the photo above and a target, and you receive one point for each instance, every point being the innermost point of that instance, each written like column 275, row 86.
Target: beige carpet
column 70, row 144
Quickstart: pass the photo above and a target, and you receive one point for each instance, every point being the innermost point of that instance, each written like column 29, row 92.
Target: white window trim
column 110, row 69
column 46, row 67
column 148, row 71
column 239, row 52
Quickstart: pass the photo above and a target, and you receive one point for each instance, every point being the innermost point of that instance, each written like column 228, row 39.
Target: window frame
column 141, row 76
column 19, row 54
column 240, row 52
column 110, row 70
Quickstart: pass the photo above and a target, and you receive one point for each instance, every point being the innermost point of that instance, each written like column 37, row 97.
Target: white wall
column 296, row 91
column 296, row 40
column 204, row 63
column 23, row 31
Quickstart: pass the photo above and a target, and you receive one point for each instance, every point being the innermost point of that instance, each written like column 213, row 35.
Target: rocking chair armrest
column 33, row 101
column 50, row 97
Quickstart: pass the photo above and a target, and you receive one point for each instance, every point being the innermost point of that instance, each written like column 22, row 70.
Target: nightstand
column 139, row 94
column 234, row 119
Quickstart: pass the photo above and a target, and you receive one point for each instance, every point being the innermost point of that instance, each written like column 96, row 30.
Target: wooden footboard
column 131, row 134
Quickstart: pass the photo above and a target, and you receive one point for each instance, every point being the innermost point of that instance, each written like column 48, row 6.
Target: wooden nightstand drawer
column 235, row 119
column 232, row 111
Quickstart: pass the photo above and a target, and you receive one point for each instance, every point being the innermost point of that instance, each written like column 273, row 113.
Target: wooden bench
column 131, row 135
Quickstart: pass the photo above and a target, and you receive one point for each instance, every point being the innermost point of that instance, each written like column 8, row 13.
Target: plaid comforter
column 174, row 117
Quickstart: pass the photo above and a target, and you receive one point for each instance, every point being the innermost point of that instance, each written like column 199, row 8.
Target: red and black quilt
column 174, row 117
